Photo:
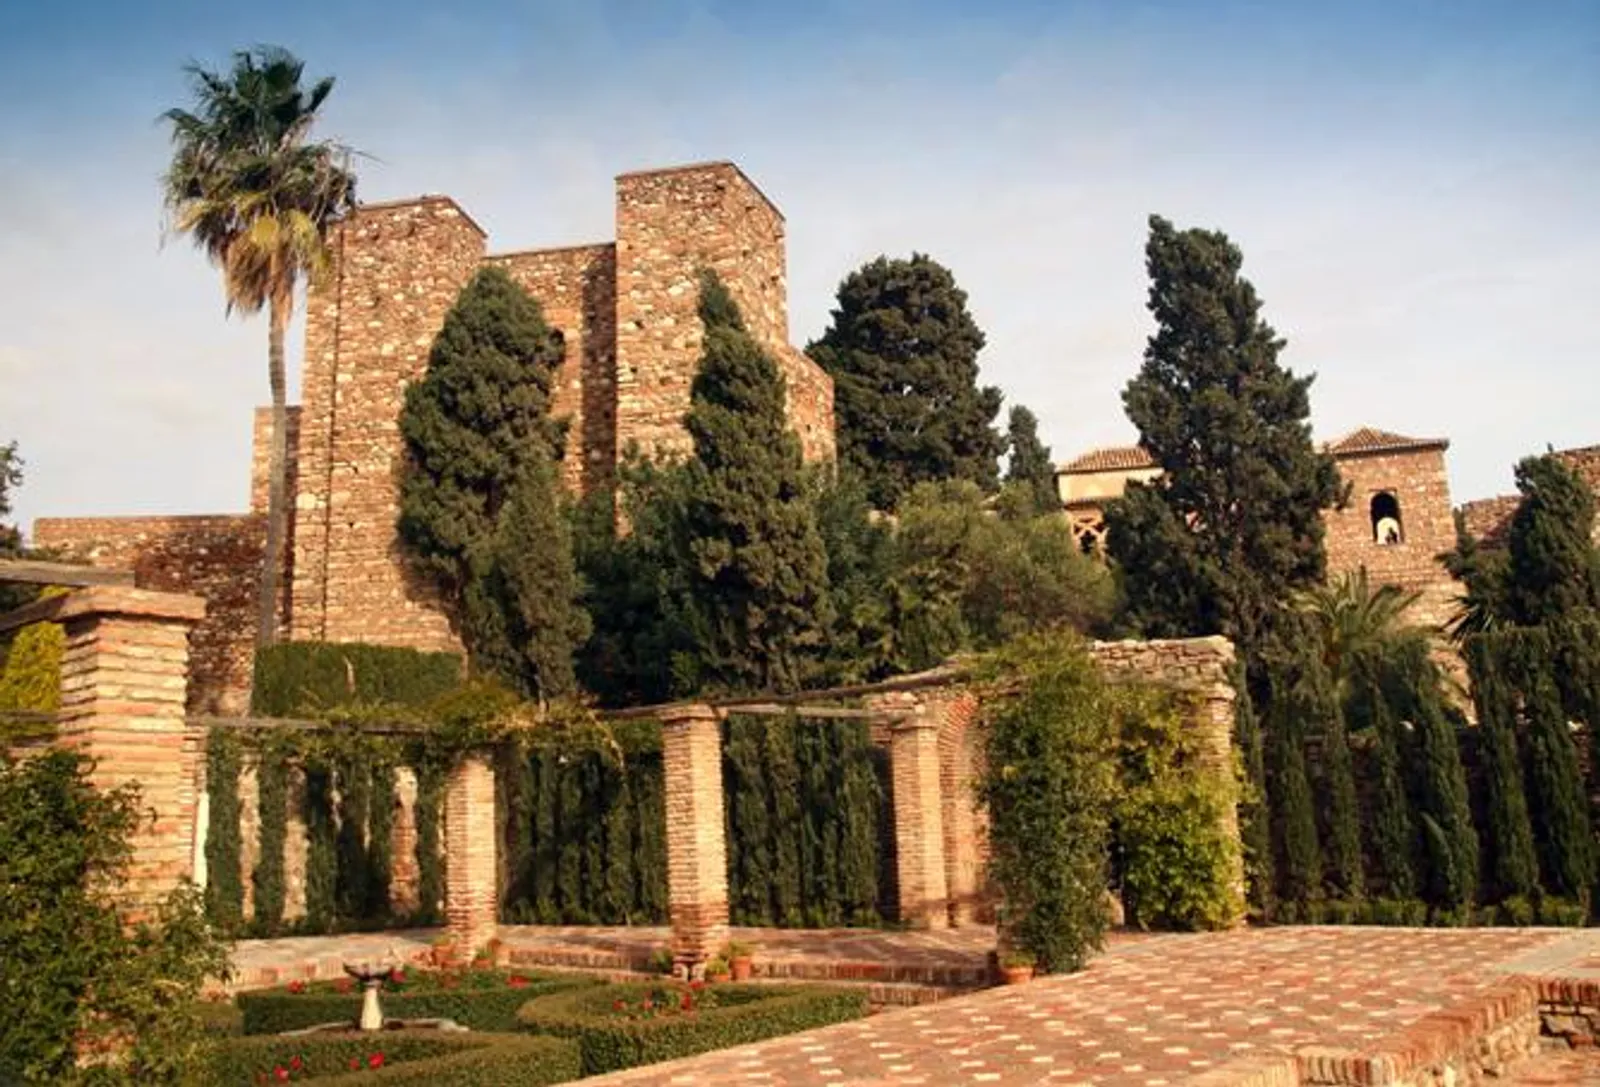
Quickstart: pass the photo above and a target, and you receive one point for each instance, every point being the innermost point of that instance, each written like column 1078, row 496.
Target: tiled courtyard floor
column 1152, row 1011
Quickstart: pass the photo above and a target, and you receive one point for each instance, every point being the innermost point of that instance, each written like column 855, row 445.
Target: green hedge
column 744, row 1013
column 303, row 677
column 435, row 1058
column 490, row 1009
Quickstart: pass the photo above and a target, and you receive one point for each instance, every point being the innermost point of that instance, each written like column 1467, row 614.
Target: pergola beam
column 34, row 572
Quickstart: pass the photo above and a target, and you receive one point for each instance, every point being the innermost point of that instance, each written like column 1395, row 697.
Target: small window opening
column 1386, row 527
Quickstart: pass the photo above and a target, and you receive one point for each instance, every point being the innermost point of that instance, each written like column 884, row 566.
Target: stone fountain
column 371, row 975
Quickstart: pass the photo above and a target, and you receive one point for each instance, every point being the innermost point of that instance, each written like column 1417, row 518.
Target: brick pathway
column 1557, row 1068
column 1174, row 1009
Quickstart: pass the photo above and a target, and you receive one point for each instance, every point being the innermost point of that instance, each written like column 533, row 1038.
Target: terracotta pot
column 1016, row 975
column 742, row 966
column 717, row 979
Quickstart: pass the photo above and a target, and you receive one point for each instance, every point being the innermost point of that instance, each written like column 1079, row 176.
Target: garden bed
column 624, row 1025
column 388, row 1058
column 484, row 1000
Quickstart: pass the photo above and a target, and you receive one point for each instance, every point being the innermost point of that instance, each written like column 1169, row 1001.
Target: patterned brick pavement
column 1225, row 1008
column 1557, row 1068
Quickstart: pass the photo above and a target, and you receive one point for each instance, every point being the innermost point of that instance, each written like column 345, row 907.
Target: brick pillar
column 918, row 822
column 697, row 849
column 124, row 679
column 469, row 848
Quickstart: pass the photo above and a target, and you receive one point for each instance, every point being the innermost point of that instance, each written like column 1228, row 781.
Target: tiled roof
column 1371, row 440
column 1116, row 459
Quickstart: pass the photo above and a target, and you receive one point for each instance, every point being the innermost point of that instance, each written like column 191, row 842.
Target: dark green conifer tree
column 1255, row 809
column 479, row 501
column 1513, row 864
column 1391, row 829
column 903, row 353
column 1551, row 572
column 1297, row 853
column 1339, row 809
column 1028, row 461
column 1557, row 801
column 1233, row 526
column 1416, row 693
column 759, row 573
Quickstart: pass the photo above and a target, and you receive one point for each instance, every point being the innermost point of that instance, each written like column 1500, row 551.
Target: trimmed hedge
column 435, row 1058
column 744, row 1013
column 303, row 677
column 487, row 1009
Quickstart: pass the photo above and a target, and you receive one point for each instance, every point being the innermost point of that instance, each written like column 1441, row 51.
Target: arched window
column 1386, row 527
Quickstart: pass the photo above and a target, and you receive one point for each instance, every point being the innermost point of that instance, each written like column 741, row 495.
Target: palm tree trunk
column 277, row 481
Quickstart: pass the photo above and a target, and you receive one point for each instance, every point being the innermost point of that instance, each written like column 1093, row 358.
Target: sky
column 1412, row 184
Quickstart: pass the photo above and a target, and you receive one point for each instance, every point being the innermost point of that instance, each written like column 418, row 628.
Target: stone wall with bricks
column 218, row 558
column 576, row 288
column 1487, row 520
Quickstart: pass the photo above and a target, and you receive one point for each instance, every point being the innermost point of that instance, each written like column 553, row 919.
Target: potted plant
column 717, row 970
column 1016, row 966
column 740, row 957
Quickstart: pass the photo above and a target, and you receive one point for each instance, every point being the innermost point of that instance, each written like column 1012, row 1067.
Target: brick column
column 918, row 822
column 697, row 849
column 471, row 914
column 124, row 678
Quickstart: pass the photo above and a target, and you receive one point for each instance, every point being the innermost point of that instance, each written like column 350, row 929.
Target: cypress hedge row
column 306, row 677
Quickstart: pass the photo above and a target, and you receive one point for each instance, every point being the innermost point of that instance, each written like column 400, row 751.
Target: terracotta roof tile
column 1372, row 440
column 1115, row 459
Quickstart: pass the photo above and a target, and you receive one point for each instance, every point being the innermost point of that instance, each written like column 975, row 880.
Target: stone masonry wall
column 218, row 558
column 398, row 270
column 1418, row 481
column 576, row 287
column 670, row 224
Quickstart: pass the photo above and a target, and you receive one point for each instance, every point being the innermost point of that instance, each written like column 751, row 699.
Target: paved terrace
column 1254, row 1008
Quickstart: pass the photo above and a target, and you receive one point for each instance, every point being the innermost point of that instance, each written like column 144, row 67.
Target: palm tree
column 248, row 187
column 1349, row 616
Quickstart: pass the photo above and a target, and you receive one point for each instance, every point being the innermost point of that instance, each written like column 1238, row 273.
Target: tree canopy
column 1233, row 526
column 1029, row 464
column 479, row 502
column 759, row 571
column 902, row 349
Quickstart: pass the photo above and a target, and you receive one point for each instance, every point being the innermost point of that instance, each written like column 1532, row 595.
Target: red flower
column 297, row 986
column 687, row 1004
column 398, row 974
column 296, row 1063
column 697, row 984
column 355, row 1064
column 617, row 1005
column 517, row 981
column 281, row 1072
column 375, row 1061
column 344, row 985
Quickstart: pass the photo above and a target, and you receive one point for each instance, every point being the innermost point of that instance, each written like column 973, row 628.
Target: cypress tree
column 546, row 837
column 1339, row 807
column 224, row 894
column 1556, row 797
column 479, row 439
column 1233, row 525
column 1551, row 569
column 783, row 785
column 858, row 831
column 272, row 813
column 902, row 349
column 1417, row 696
column 1255, row 810
column 1029, row 464
column 1392, row 833
column 759, row 573
column 380, row 840
column 1513, row 865
column 1298, row 856
column 750, row 821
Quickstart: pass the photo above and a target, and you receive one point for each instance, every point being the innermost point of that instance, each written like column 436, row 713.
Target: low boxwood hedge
column 613, row 1034
column 390, row 1058
column 480, row 1000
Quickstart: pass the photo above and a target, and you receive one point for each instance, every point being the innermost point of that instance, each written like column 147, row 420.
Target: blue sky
column 1413, row 185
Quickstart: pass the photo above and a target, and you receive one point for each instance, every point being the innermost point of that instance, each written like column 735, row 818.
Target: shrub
column 30, row 680
column 68, row 965
column 482, row 1000
column 434, row 1058
column 1178, row 863
column 303, row 677
column 1562, row 912
column 1407, row 912
column 609, row 1038
column 1048, row 785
